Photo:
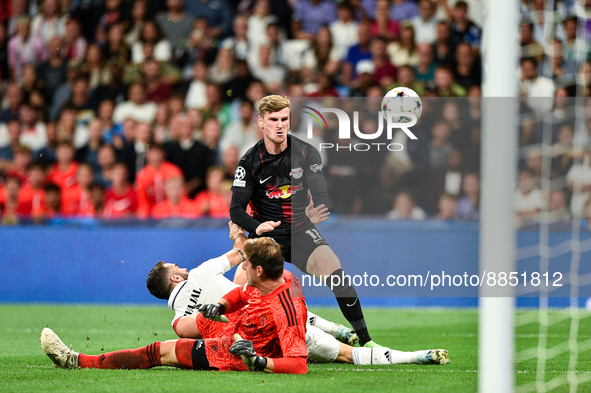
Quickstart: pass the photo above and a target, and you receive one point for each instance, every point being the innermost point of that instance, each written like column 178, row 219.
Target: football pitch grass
column 95, row 329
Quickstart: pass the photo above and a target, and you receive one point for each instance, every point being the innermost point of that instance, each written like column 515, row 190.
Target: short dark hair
column 266, row 253
column 158, row 282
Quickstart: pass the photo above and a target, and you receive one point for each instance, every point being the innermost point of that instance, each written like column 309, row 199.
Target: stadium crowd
column 136, row 108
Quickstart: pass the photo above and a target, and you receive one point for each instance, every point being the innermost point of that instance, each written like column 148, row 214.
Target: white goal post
column 499, row 165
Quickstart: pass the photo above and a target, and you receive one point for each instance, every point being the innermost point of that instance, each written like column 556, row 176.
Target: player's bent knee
column 323, row 261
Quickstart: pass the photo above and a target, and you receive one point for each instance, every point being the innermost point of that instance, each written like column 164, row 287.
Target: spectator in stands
column 405, row 208
column 406, row 78
column 529, row 200
column 115, row 89
column 63, row 172
column 14, row 97
column 4, row 70
column 150, row 180
column 257, row 23
column 533, row 85
column 24, row 48
column 238, row 43
column 120, row 198
column 19, row 166
column 9, row 203
column 215, row 106
column 138, row 16
column 32, row 195
column 344, row 29
column 49, row 23
column 586, row 222
column 210, row 136
column 358, row 52
column 158, row 87
column 404, row 51
column 136, row 107
column 190, row 155
column 75, row 44
column 52, row 201
column 152, row 35
column 76, row 199
column 134, row 151
column 384, row 72
column 555, row 67
column 439, row 147
column 468, row 70
column 241, row 133
column 447, row 207
column 322, row 56
column 54, row 71
column 115, row 48
column 13, row 131
column 195, row 96
column 424, row 71
column 176, row 24
column 272, row 76
column 176, row 204
column 46, row 155
column 469, row 203
column 88, row 153
column 558, row 207
column 529, row 46
column 310, row 15
column 106, row 158
column 109, row 129
column 402, row 10
column 217, row 13
column 97, row 199
column 445, row 180
column 215, row 201
column 383, row 25
column 570, row 26
column 462, row 28
column 222, row 70
column 442, row 44
column 446, row 85
column 230, row 158
column 425, row 23
column 33, row 133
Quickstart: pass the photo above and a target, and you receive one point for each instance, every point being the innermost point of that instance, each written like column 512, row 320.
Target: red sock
column 184, row 352
column 144, row 357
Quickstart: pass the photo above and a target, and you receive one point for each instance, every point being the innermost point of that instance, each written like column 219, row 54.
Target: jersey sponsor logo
column 264, row 180
column 283, row 192
column 296, row 173
column 240, row 173
column 239, row 183
column 316, row 168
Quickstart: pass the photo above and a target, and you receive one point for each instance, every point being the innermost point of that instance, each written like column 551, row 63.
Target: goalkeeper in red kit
column 268, row 336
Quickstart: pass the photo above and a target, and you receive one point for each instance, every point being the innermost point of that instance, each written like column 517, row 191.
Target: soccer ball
column 400, row 100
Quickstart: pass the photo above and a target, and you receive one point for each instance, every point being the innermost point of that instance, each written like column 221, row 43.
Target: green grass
column 95, row 329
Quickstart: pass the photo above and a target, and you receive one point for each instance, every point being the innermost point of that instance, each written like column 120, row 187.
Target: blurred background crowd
column 142, row 109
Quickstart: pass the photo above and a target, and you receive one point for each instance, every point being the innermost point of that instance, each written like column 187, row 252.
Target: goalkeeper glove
column 213, row 312
column 245, row 349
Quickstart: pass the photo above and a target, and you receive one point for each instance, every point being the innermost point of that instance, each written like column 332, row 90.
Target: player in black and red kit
column 274, row 178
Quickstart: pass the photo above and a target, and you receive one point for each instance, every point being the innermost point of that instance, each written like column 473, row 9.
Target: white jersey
column 206, row 284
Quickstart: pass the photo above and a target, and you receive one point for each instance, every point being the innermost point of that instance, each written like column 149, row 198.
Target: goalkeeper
column 274, row 325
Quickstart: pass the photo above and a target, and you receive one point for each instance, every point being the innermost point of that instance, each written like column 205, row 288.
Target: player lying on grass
column 187, row 290
column 272, row 321
column 272, row 314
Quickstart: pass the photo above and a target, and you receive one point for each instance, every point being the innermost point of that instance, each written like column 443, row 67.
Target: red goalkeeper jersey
column 275, row 323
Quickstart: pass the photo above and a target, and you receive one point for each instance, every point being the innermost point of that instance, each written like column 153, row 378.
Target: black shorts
column 199, row 357
column 298, row 246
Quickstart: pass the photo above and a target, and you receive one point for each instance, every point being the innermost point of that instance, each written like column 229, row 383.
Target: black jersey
column 276, row 186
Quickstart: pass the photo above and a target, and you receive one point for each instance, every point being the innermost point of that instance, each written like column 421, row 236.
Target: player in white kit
column 206, row 284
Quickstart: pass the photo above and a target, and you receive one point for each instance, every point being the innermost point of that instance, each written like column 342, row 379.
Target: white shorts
column 322, row 347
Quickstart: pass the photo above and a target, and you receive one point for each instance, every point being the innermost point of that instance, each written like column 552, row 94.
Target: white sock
column 379, row 356
column 322, row 324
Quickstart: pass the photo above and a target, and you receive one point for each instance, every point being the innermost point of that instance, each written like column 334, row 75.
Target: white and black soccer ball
column 402, row 100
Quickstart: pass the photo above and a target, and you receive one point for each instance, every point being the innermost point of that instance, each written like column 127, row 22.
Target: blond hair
column 273, row 103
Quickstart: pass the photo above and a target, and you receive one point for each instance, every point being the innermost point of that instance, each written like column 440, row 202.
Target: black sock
column 349, row 303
